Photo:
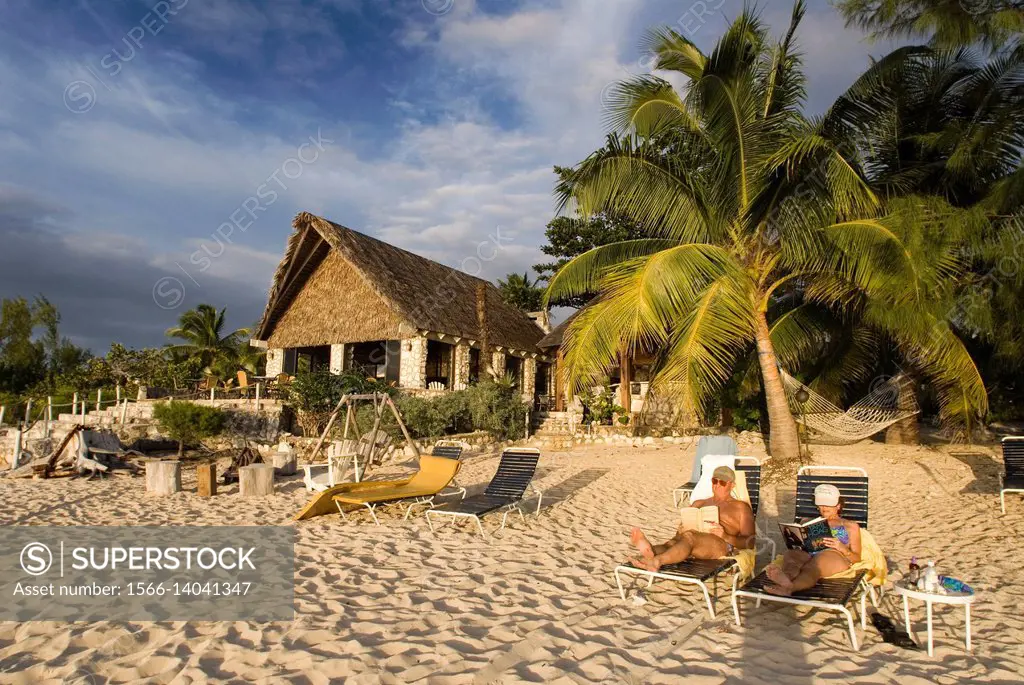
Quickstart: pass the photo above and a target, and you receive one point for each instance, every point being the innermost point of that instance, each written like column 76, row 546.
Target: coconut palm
column 947, row 23
column 753, row 216
column 202, row 329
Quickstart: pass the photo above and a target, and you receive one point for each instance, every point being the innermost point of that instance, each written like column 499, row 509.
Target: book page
column 690, row 518
column 708, row 517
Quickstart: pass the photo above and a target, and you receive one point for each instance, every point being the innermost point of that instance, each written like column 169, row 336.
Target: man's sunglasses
column 719, row 481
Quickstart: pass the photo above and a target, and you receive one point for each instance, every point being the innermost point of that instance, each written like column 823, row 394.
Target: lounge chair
column 1012, row 478
column 829, row 593
column 707, row 445
column 434, row 475
column 505, row 491
column 699, row 571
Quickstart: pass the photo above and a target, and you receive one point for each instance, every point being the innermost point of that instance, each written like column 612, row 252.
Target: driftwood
column 97, row 453
column 246, row 457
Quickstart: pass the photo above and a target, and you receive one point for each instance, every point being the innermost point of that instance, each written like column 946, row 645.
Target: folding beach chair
column 505, row 491
column 1012, row 478
column 829, row 593
column 448, row 451
column 699, row 571
column 707, row 445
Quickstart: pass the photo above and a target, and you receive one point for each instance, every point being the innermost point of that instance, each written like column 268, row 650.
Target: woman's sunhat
column 826, row 495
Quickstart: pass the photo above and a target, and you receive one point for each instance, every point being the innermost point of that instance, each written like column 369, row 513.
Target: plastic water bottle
column 931, row 578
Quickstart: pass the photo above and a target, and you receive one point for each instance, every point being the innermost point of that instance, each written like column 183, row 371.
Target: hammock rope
column 889, row 403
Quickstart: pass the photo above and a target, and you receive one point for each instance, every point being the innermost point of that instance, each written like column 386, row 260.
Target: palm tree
column 754, row 216
column 517, row 290
column 202, row 330
column 947, row 23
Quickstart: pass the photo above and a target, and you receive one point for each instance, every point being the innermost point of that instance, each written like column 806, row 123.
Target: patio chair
column 709, row 444
column 243, row 383
column 505, row 491
column 1012, row 478
column 434, row 475
column 699, row 571
column 829, row 593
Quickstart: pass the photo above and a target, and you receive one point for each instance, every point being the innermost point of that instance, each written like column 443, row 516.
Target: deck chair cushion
column 434, row 476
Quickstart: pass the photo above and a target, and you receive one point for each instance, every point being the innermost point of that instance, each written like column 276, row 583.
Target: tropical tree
column 754, row 216
column 202, row 329
column 518, row 291
column 946, row 23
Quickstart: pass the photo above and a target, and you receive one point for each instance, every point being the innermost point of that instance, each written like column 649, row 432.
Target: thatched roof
column 416, row 292
column 554, row 338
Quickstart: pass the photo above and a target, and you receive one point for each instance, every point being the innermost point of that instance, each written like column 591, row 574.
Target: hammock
column 889, row 403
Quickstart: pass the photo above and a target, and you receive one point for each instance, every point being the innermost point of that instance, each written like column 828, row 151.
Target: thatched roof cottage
column 343, row 300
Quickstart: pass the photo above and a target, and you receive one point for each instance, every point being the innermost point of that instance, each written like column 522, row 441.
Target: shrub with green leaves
column 188, row 423
column 315, row 395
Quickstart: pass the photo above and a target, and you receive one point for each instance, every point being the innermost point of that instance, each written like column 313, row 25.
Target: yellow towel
column 872, row 560
column 746, row 559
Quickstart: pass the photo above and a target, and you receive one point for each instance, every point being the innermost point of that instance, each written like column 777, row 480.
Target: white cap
column 826, row 495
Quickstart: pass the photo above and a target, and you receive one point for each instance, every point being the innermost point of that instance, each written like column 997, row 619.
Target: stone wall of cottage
column 498, row 364
column 337, row 358
column 529, row 378
column 275, row 361
column 461, row 365
column 412, row 371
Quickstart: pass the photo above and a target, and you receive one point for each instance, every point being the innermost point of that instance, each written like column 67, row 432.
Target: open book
column 699, row 519
column 806, row 536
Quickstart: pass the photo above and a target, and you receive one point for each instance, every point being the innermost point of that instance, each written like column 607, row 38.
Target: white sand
column 395, row 604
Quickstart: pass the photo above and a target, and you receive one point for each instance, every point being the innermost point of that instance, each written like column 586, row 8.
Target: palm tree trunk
column 784, row 442
column 905, row 432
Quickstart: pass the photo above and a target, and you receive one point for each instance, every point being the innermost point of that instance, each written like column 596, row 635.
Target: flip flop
column 890, row 633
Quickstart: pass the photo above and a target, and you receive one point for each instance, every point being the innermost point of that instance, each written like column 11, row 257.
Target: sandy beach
column 538, row 603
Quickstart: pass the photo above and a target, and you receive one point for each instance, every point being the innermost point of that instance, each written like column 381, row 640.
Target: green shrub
column 187, row 422
column 601, row 405
column 497, row 407
column 315, row 395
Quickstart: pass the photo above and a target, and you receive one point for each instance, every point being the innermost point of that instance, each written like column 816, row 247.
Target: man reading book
column 735, row 530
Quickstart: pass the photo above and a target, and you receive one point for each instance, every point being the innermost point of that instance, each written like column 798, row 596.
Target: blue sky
column 153, row 154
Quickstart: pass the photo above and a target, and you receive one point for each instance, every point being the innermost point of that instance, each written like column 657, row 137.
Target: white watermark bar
column 147, row 573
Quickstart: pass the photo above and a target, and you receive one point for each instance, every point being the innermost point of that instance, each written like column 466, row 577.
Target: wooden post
column 124, row 410
column 327, row 429
column 17, row 448
column 163, row 477
column 99, row 399
column 256, row 480
column 401, row 426
column 486, row 359
column 28, row 411
column 206, row 475
column 83, row 410
column 258, row 388
column 74, row 404
column 3, row 410
column 283, row 463
column 625, row 380
column 117, row 390
column 212, row 396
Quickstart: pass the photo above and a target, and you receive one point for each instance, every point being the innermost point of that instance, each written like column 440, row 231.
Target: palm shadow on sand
column 984, row 468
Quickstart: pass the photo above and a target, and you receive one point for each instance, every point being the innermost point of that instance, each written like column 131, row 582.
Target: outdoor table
column 909, row 591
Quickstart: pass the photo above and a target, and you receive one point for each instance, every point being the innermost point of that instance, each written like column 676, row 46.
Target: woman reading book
column 734, row 531
column 800, row 570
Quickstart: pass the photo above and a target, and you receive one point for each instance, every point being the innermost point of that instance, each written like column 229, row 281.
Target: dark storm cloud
column 104, row 292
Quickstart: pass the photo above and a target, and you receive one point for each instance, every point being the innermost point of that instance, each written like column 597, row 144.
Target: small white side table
column 910, row 591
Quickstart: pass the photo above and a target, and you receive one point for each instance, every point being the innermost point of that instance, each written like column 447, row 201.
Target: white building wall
column 275, row 361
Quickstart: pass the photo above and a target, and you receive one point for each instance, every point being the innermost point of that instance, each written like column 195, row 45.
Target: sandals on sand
column 890, row 633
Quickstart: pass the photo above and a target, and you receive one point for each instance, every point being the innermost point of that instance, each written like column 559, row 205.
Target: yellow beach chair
column 435, row 474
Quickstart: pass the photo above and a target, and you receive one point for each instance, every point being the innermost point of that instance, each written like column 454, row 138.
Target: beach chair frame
column 831, row 594
column 453, row 488
column 690, row 572
column 1011, row 479
column 506, row 492
column 699, row 571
